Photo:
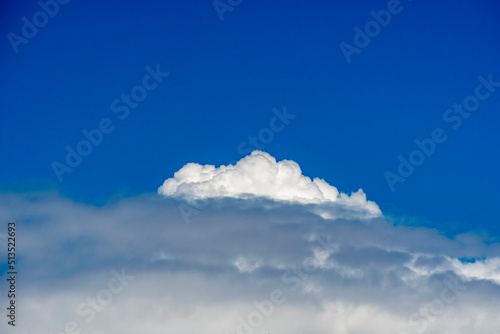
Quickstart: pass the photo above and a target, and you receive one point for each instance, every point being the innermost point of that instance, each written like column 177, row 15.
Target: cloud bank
column 246, row 264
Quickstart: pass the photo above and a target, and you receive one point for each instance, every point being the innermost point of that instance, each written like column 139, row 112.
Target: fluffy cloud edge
column 260, row 175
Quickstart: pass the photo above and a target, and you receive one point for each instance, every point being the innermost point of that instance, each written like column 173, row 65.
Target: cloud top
column 259, row 175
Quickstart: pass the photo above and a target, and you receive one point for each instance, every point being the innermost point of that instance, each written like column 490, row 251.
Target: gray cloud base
column 344, row 275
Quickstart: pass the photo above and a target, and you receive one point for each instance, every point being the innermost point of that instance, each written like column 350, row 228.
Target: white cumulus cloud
column 260, row 175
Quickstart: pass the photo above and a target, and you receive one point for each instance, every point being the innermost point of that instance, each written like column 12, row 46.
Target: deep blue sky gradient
column 226, row 77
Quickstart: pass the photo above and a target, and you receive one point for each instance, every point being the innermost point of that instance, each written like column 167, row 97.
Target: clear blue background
column 225, row 78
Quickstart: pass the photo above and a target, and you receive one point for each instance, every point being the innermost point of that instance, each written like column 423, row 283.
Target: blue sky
column 354, row 119
column 205, row 83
